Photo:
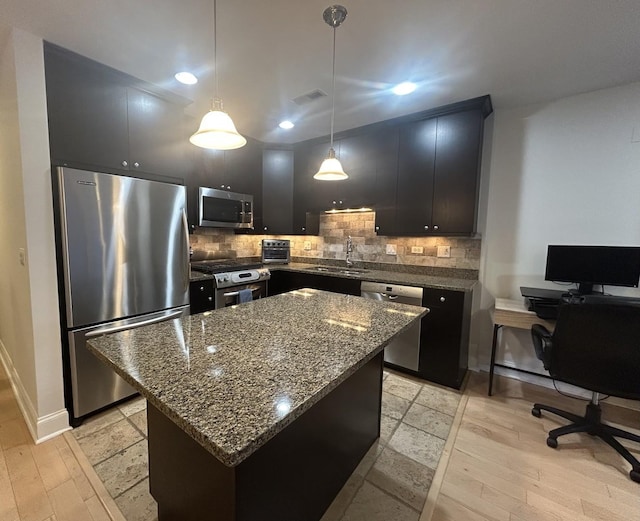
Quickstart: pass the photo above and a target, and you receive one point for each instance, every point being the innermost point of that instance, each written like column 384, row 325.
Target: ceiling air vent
column 309, row 97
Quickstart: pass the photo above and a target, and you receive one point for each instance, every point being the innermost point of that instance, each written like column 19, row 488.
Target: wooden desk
column 511, row 313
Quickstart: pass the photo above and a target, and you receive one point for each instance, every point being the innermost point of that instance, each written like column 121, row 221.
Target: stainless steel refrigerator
column 124, row 256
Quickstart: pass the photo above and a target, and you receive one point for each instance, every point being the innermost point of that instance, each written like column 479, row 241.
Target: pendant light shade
column 217, row 130
column 331, row 169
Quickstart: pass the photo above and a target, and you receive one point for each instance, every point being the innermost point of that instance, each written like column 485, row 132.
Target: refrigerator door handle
column 116, row 329
column 187, row 269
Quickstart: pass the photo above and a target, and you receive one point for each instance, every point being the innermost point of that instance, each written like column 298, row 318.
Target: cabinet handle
column 435, row 227
column 303, row 228
column 377, row 228
column 334, row 203
column 265, row 228
column 442, row 299
column 210, row 299
column 136, row 165
column 124, row 163
column 426, row 227
column 228, row 187
column 222, row 186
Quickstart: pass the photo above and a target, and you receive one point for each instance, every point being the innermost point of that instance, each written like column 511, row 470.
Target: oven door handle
column 236, row 293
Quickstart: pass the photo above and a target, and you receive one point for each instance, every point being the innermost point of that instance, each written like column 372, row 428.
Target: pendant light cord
column 215, row 49
column 333, row 85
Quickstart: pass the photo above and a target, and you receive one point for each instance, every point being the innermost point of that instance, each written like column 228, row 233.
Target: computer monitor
column 589, row 265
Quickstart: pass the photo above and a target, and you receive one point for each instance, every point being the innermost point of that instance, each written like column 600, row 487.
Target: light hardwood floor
column 500, row 468
column 45, row 482
column 496, row 467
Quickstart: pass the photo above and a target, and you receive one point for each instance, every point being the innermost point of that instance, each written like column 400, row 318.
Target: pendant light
column 217, row 130
column 331, row 169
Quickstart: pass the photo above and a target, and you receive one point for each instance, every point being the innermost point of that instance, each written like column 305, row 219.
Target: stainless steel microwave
column 222, row 209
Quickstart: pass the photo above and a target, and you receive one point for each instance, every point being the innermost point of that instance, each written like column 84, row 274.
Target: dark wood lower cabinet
column 444, row 338
column 202, row 296
column 294, row 476
column 283, row 281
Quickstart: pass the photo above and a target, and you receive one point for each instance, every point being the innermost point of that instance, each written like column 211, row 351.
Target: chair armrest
column 542, row 343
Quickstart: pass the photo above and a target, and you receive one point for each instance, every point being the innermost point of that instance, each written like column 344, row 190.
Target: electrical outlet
column 22, row 256
column 444, row 251
column 417, row 249
column 391, row 249
column 307, row 245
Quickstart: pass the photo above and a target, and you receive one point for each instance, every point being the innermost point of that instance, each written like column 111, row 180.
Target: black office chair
column 596, row 346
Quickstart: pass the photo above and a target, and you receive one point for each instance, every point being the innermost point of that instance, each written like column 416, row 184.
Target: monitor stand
column 584, row 288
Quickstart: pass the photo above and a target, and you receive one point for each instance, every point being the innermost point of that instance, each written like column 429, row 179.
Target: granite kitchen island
column 259, row 411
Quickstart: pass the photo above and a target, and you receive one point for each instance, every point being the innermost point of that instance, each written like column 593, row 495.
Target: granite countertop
column 392, row 277
column 233, row 378
column 374, row 275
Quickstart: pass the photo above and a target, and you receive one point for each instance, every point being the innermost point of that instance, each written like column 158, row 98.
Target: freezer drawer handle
column 115, row 329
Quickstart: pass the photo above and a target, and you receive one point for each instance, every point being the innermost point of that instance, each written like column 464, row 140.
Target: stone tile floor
column 391, row 482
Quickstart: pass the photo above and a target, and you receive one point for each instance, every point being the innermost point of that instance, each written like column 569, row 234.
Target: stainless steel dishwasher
column 404, row 351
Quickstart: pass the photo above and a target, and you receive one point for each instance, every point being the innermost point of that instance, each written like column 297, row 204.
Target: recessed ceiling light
column 286, row 124
column 186, row 77
column 406, row 87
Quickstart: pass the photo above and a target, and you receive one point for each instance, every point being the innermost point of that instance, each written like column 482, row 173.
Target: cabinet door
column 305, row 216
column 386, row 180
column 277, row 191
column 87, row 111
column 443, row 346
column 363, row 157
column 457, row 170
column 157, row 139
column 416, row 157
column 201, row 296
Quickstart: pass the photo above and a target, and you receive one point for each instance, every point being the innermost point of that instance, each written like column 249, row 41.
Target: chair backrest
column 596, row 346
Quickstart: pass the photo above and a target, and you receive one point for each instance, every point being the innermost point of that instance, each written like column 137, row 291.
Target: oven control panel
column 236, row 278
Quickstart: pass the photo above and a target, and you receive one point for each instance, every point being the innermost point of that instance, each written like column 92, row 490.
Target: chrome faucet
column 349, row 251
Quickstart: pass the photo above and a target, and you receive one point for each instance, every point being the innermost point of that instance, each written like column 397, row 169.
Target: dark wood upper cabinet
column 87, row 112
column 101, row 118
column 157, row 139
column 438, row 175
column 416, row 161
column 457, row 172
column 277, row 191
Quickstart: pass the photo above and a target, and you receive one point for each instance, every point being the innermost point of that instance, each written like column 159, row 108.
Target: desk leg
column 494, row 345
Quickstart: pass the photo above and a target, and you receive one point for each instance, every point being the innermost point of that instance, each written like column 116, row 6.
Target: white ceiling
column 518, row 51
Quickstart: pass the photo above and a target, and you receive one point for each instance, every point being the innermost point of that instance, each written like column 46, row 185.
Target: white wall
column 565, row 172
column 30, row 345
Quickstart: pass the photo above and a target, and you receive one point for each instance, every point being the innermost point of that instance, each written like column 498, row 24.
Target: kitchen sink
column 339, row 269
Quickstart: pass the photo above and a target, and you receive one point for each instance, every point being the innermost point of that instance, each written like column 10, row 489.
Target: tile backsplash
column 331, row 244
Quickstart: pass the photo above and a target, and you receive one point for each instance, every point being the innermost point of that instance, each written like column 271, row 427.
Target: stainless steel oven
column 235, row 280
column 276, row 251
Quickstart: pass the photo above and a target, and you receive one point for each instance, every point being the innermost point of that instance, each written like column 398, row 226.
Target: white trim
column 40, row 428
column 542, row 381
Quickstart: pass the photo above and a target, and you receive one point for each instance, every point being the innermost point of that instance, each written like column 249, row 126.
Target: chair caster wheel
column 635, row 475
column 536, row 412
column 552, row 442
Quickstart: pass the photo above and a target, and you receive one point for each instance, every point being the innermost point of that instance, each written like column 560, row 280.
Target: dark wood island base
column 294, row 476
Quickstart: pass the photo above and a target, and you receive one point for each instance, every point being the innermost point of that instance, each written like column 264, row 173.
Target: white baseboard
column 565, row 388
column 41, row 428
